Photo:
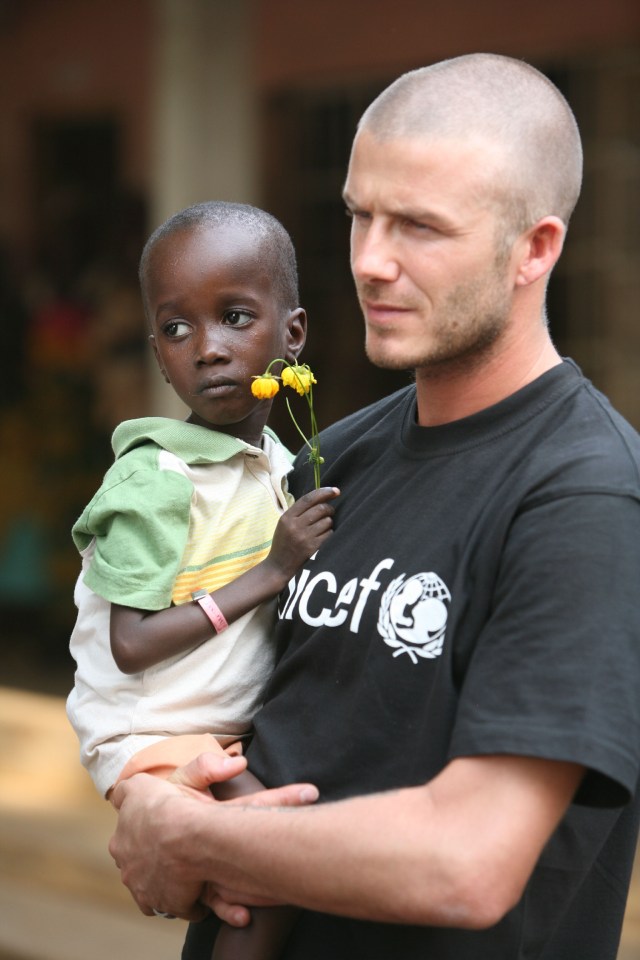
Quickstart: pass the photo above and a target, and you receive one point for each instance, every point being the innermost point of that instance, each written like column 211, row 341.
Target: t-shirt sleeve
column 556, row 671
column 140, row 525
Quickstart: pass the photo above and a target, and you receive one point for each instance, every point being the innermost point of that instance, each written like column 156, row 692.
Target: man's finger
column 232, row 913
column 208, row 768
column 291, row 795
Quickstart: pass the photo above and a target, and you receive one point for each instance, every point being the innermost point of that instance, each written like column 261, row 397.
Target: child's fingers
column 315, row 504
column 314, row 498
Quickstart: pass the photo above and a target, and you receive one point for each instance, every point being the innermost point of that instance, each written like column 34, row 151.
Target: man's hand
column 157, row 846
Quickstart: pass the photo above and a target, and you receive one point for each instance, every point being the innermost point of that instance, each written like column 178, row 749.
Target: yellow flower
column 265, row 386
column 299, row 377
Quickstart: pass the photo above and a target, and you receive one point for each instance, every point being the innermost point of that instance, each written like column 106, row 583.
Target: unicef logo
column 413, row 615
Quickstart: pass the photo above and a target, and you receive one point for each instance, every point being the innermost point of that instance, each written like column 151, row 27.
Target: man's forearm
column 333, row 858
column 443, row 854
column 457, row 851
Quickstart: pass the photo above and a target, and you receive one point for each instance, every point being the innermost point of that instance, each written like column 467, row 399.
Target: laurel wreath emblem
column 433, row 586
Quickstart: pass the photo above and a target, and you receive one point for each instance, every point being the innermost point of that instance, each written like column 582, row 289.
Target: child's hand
column 302, row 529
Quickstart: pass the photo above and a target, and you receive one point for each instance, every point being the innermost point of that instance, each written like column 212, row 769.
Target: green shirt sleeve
column 140, row 521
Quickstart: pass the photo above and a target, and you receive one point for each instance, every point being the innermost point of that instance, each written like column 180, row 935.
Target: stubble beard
column 464, row 334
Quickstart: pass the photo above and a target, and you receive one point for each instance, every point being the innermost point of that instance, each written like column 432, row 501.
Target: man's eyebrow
column 419, row 214
column 423, row 215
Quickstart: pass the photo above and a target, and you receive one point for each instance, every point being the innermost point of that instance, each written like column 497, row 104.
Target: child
column 194, row 510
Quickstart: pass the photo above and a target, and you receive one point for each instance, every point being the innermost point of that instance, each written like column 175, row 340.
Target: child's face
column 216, row 322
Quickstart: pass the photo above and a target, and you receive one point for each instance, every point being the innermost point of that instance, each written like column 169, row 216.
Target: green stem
column 313, row 446
column 275, row 360
column 295, row 423
column 314, row 435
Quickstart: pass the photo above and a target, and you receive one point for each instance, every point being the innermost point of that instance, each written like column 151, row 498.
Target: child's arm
column 142, row 638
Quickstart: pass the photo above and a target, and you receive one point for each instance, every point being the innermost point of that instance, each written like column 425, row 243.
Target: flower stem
column 295, row 423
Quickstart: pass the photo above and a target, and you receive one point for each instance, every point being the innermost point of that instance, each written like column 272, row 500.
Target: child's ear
column 295, row 334
column 152, row 341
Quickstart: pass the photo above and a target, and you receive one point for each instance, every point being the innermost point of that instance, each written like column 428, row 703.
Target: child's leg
column 263, row 939
column 266, row 935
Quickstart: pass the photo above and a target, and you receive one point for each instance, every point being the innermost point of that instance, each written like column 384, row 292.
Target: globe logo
column 413, row 616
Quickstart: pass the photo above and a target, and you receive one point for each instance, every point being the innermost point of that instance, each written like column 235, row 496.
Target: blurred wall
column 70, row 58
column 334, row 40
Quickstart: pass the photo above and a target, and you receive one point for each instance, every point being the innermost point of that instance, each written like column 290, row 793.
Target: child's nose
column 213, row 346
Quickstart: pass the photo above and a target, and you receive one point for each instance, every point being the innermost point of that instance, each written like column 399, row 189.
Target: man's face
column 434, row 291
column 217, row 322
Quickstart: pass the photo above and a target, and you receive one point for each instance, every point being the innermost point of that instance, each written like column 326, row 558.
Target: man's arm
column 457, row 851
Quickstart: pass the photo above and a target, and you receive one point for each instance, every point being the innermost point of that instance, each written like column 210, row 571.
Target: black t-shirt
column 479, row 596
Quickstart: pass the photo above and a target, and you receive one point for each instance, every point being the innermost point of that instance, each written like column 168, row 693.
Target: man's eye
column 237, row 318
column 176, row 328
column 357, row 215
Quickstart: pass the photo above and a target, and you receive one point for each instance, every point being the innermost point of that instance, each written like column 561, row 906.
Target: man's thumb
column 207, row 768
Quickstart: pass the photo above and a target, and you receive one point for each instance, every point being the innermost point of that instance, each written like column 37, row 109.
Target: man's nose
column 373, row 256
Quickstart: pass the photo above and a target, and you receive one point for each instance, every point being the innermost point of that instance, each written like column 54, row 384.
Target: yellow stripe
column 213, row 577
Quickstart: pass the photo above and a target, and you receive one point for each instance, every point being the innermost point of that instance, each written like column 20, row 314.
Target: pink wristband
column 211, row 610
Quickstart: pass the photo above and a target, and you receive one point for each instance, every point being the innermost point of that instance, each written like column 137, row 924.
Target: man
column 462, row 657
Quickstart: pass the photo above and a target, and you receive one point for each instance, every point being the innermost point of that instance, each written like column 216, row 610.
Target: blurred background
column 114, row 114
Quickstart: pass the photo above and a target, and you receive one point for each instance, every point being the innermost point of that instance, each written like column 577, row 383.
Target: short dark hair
column 272, row 240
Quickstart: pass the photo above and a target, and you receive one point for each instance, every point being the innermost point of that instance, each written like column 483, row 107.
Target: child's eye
column 176, row 328
column 237, row 318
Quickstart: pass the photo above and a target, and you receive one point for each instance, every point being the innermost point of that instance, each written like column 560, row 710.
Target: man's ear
column 539, row 249
column 295, row 334
column 152, row 341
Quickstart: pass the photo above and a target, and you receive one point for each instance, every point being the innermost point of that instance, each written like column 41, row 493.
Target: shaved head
column 499, row 101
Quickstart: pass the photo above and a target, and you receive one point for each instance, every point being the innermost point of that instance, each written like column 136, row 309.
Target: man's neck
column 457, row 393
